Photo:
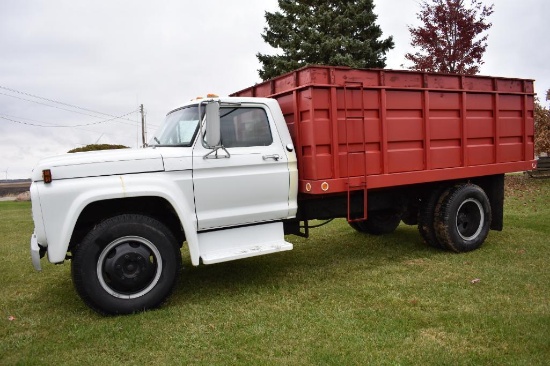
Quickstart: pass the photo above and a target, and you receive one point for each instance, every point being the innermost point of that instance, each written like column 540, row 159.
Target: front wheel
column 463, row 218
column 126, row 264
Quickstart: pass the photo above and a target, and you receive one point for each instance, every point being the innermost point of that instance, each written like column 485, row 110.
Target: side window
column 245, row 127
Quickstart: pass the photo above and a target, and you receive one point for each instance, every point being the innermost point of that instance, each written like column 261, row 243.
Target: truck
column 233, row 177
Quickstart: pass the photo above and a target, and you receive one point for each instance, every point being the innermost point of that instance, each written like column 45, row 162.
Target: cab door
column 251, row 184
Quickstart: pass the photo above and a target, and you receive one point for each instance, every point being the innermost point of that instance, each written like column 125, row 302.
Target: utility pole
column 143, row 129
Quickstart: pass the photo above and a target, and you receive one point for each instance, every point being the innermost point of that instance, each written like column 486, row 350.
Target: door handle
column 275, row 157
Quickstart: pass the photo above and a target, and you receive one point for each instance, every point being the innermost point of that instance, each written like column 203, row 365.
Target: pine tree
column 337, row 33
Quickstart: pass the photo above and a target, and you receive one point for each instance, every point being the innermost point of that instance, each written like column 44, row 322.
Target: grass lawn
column 339, row 298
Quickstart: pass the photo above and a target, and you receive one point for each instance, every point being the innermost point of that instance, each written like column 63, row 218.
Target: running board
column 242, row 242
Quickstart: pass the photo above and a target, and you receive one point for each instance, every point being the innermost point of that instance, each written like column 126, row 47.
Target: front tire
column 126, row 264
column 463, row 218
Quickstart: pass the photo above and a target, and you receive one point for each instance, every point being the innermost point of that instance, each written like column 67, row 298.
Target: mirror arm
column 202, row 122
column 214, row 153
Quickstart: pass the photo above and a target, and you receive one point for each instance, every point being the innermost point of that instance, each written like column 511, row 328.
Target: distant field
column 13, row 189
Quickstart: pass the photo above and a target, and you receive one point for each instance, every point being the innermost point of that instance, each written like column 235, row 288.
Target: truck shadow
column 326, row 254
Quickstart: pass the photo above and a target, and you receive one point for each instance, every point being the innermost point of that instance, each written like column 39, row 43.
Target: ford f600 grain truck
column 231, row 176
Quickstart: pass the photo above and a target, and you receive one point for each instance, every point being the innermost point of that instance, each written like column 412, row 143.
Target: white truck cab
column 220, row 175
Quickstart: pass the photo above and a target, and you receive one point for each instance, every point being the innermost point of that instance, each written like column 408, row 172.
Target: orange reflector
column 47, row 175
column 211, row 95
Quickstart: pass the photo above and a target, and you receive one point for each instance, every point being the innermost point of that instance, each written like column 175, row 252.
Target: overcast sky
column 112, row 56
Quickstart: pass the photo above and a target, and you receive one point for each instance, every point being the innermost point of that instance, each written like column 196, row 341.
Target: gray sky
column 111, row 56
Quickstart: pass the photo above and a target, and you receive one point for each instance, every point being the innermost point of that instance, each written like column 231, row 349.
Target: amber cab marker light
column 47, row 175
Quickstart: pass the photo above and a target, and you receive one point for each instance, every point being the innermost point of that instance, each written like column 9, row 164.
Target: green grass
column 339, row 298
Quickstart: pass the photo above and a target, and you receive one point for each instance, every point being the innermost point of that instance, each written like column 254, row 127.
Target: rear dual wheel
column 456, row 218
column 463, row 218
column 426, row 218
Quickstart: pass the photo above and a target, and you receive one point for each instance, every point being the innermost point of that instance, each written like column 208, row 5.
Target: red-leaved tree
column 542, row 128
column 450, row 38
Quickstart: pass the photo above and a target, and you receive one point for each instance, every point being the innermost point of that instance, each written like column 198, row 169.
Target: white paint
column 242, row 242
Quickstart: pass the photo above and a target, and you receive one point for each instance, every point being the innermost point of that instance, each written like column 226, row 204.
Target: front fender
column 63, row 201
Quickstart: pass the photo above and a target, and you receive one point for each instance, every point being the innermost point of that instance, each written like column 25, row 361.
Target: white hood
column 100, row 163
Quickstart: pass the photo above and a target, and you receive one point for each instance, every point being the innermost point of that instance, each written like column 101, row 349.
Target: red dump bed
column 356, row 129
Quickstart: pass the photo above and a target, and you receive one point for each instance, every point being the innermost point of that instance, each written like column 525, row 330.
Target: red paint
column 357, row 129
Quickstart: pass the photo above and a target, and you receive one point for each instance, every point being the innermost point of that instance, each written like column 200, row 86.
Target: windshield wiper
column 157, row 143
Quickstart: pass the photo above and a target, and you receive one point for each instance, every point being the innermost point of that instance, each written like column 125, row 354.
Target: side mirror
column 213, row 131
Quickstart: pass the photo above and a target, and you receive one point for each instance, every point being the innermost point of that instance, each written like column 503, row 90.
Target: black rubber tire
column 358, row 226
column 378, row 223
column 463, row 218
column 126, row 264
column 426, row 218
column 410, row 216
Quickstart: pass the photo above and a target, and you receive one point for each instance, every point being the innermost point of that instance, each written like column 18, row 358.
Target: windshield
column 179, row 128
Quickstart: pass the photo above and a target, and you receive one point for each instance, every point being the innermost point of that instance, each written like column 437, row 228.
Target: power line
column 49, row 123
column 68, row 110
column 61, row 103
column 55, row 101
column 64, row 126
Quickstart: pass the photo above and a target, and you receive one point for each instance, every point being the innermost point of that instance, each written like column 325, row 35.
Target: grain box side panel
column 480, row 117
column 404, row 124
column 445, row 129
column 315, row 133
column 511, row 117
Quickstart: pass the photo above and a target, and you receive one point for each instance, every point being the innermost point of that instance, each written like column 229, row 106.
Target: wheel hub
column 470, row 219
column 128, row 267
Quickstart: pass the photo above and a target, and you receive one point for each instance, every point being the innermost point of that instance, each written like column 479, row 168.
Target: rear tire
column 463, row 218
column 378, row 223
column 410, row 216
column 126, row 264
column 426, row 218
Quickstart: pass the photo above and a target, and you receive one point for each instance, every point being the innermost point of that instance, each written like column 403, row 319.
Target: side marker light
column 47, row 175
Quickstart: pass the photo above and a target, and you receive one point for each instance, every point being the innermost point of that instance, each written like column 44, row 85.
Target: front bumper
column 36, row 253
